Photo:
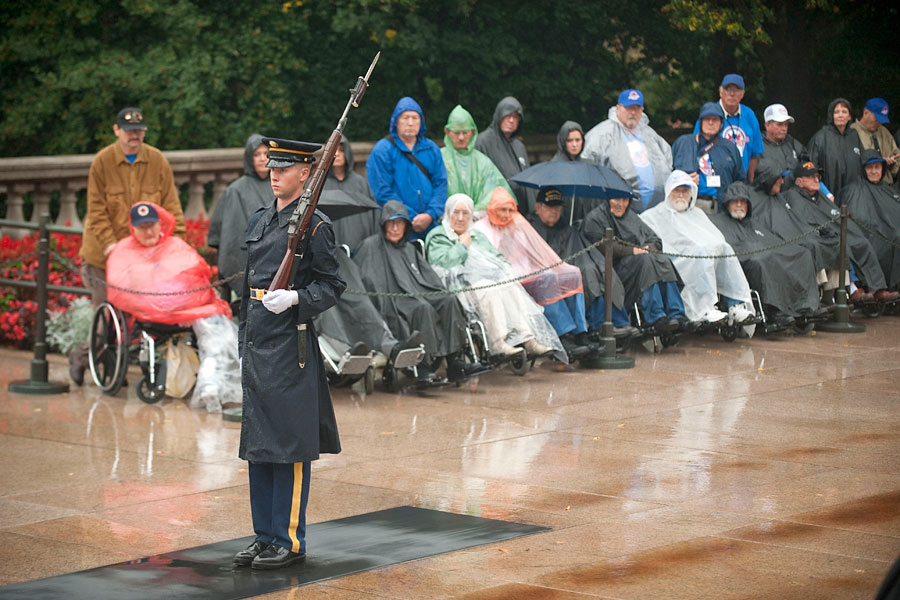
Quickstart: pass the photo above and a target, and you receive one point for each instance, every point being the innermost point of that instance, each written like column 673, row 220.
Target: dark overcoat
column 287, row 414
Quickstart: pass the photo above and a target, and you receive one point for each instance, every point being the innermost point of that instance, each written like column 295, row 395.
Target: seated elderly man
column 566, row 240
column 649, row 278
column 464, row 257
column 151, row 260
column 685, row 229
column 712, row 161
column 558, row 290
column 876, row 206
column 807, row 204
column 785, row 277
column 389, row 262
column 469, row 171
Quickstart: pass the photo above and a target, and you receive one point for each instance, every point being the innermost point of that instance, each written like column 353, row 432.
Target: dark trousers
column 278, row 497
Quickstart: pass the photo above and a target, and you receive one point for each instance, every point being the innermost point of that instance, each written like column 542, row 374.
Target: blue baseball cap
column 712, row 109
column 143, row 213
column 879, row 108
column 733, row 78
column 631, row 98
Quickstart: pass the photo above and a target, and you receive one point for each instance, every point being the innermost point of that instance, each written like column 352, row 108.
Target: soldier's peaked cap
column 286, row 153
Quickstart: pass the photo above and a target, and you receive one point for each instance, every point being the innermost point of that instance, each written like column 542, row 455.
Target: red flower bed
column 18, row 260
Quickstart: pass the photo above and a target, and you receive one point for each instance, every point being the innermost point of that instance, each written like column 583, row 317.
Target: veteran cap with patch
column 550, row 197
column 131, row 118
column 143, row 213
column 806, row 168
column 287, row 153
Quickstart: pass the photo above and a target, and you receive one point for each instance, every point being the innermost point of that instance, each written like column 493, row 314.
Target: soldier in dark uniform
column 288, row 418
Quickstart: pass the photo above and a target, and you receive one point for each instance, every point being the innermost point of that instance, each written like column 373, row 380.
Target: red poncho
column 170, row 265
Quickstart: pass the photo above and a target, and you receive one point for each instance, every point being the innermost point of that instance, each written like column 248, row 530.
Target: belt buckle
column 258, row 293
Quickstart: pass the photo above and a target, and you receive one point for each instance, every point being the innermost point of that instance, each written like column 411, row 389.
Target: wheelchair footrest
column 354, row 364
column 409, row 357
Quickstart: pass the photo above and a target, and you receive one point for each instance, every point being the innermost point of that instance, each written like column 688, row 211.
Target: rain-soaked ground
column 756, row 469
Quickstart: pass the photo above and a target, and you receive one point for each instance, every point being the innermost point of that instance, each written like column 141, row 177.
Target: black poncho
column 386, row 267
column 876, row 207
column 566, row 241
column 508, row 154
column 636, row 271
column 785, row 277
column 354, row 229
column 835, row 152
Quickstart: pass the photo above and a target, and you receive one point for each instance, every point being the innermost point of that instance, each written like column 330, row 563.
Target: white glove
column 278, row 301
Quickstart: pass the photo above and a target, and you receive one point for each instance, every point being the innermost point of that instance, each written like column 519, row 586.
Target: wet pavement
column 755, row 469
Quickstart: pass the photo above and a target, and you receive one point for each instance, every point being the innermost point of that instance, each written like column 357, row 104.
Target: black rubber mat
column 335, row 548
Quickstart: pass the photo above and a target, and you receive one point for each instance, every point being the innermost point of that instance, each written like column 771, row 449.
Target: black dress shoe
column 276, row 557
column 359, row 349
column 246, row 556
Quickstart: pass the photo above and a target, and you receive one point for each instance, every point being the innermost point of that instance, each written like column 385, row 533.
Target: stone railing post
column 15, row 200
column 41, row 200
column 68, row 212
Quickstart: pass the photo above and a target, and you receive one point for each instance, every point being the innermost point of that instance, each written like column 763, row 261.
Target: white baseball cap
column 777, row 112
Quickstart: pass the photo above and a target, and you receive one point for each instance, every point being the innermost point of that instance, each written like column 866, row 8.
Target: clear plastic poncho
column 509, row 313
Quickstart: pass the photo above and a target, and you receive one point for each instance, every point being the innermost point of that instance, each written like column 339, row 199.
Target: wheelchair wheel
column 148, row 394
column 391, row 379
column 108, row 349
column 728, row 332
column 369, row 380
column 872, row 309
column 519, row 363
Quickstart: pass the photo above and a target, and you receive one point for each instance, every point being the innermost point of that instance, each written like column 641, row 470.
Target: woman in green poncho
column 469, row 171
column 464, row 257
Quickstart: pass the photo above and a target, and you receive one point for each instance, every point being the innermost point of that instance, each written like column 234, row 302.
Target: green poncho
column 469, row 171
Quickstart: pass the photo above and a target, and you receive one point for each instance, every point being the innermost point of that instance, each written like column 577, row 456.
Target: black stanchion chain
column 212, row 285
column 455, row 291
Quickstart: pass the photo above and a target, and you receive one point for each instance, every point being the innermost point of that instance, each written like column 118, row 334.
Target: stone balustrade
column 41, row 176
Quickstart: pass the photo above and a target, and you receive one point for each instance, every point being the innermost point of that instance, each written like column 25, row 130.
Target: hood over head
column 507, row 106
column 394, row 209
column 739, row 189
column 499, row 198
column 348, row 154
column 460, row 119
column 253, row 142
column 166, row 221
column 404, row 104
column 829, row 118
column 766, row 175
column 869, row 156
column 564, row 131
column 678, row 178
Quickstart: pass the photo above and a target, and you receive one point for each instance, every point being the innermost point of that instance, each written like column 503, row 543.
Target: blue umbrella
column 575, row 178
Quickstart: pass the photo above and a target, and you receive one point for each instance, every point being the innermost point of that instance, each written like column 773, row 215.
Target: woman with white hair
column 465, row 257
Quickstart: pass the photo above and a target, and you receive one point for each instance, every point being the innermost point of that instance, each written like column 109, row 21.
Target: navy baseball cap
column 733, row 78
column 879, row 108
column 130, row 118
column 143, row 213
column 712, row 109
column 631, row 98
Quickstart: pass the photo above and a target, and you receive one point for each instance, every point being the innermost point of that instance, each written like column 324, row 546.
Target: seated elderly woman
column 685, row 229
column 464, row 257
column 388, row 262
column 558, row 290
column 151, row 260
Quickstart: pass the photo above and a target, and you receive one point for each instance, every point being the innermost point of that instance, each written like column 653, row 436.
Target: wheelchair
column 346, row 368
column 117, row 339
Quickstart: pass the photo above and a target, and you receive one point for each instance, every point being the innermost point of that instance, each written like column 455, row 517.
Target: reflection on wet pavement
column 765, row 469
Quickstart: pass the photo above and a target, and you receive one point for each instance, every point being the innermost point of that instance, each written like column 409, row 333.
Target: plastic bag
column 182, row 365
column 219, row 376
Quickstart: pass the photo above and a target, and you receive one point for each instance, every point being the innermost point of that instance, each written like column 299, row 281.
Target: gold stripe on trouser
column 296, row 498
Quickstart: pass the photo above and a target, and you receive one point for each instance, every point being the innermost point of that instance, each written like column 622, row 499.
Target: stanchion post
column 38, row 384
column 609, row 359
column 841, row 322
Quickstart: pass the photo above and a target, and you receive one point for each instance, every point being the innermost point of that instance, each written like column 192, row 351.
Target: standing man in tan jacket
column 124, row 173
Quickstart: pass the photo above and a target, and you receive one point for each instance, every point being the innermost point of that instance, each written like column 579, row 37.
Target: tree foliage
column 207, row 74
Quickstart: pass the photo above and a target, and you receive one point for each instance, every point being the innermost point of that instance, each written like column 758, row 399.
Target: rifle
column 300, row 218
